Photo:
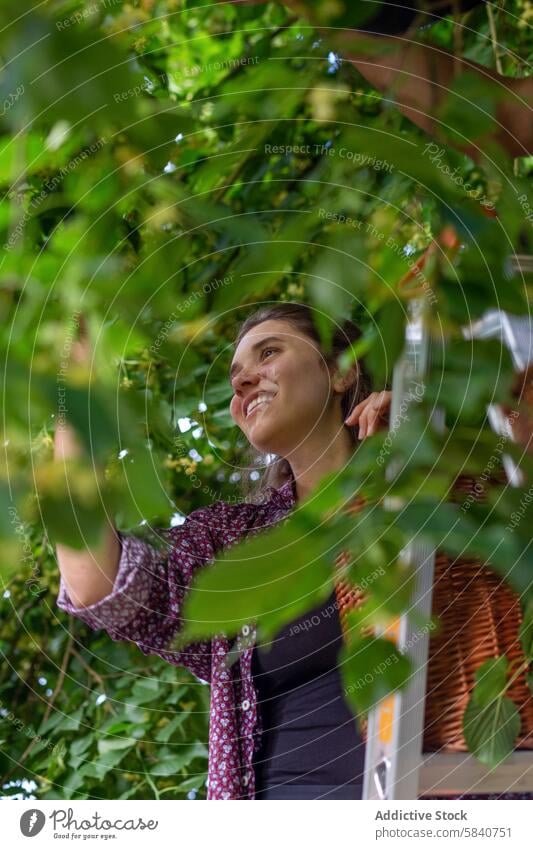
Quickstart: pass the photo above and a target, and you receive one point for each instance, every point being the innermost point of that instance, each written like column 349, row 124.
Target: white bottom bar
column 220, row 825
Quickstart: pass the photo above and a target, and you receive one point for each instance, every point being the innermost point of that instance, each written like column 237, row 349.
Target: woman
column 279, row 725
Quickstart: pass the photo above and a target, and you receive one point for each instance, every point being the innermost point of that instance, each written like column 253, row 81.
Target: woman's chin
column 268, row 434
column 264, row 440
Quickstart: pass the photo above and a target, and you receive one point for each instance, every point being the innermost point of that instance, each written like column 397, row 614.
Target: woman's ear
column 341, row 381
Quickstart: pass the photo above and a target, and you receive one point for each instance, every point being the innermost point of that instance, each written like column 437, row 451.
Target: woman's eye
column 268, row 351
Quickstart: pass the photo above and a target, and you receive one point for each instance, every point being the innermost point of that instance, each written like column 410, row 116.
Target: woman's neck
column 318, row 457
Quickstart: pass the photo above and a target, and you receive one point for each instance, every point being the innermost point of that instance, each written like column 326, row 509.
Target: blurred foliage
column 165, row 166
column 85, row 717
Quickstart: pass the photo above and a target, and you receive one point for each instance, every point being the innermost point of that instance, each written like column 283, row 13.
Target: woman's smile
column 257, row 400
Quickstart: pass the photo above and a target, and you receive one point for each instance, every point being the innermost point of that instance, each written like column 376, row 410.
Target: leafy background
column 145, row 187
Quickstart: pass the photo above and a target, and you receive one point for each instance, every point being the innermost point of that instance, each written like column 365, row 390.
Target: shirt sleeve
column 145, row 603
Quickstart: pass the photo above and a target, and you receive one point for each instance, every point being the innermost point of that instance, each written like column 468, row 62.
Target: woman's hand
column 371, row 414
column 66, row 441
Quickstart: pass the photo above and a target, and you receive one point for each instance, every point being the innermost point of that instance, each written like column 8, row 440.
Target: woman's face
column 282, row 387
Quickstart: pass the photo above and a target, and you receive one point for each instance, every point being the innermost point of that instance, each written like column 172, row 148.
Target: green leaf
column 490, row 680
column 173, row 764
column 128, row 718
column 271, row 579
column 79, row 746
column 193, row 783
column 371, row 668
column 146, row 690
column 106, row 762
column 388, row 343
column 491, row 729
column 453, row 530
column 467, row 376
column 139, row 492
column 69, row 501
column 468, row 110
column 113, row 744
column 165, row 733
column 55, row 58
column 66, row 723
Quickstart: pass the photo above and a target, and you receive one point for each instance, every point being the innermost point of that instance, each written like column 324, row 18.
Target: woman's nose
column 245, row 377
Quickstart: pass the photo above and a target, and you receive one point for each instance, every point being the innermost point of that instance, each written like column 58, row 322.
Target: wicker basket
column 479, row 618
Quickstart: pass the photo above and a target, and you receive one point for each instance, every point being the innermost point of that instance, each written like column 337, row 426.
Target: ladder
column 394, row 756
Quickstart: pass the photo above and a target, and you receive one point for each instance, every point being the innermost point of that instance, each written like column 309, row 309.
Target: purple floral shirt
column 145, row 607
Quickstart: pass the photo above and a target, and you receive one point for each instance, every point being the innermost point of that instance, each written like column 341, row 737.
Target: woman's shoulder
column 226, row 521
column 219, row 524
column 223, row 511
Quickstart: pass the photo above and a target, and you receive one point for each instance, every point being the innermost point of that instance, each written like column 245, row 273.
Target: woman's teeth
column 261, row 399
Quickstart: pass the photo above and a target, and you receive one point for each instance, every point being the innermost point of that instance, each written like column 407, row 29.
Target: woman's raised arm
column 88, row 574
column 125, row 585
column 144, row 602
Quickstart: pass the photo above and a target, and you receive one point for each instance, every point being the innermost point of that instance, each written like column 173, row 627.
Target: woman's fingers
column 382, row 401
column 368, row 414
column 81, row 350
column 355, row 414
column 382, row 406
column 373, row 422
column 368, row 423
column 362, row 425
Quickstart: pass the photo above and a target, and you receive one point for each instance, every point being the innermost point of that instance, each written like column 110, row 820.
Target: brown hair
column 277, row 471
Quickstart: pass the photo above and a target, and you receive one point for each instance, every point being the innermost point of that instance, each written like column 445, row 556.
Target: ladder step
column 458, row 772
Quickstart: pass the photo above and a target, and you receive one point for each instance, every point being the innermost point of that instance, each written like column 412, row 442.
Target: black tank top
column 311, row 747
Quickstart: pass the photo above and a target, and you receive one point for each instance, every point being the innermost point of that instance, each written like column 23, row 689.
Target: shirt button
column 246, row 704
column 245, row 630
column 246, row 779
